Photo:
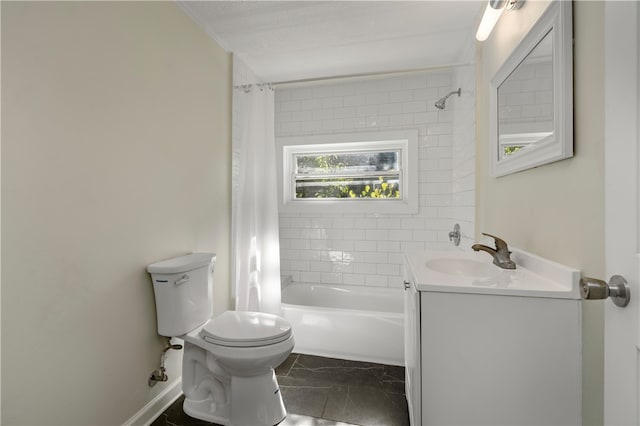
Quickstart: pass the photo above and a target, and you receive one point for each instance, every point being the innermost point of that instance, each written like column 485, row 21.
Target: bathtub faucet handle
column 407, row 284
column 454, row 236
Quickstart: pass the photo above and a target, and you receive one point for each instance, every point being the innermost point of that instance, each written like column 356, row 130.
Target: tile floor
column 321, row 391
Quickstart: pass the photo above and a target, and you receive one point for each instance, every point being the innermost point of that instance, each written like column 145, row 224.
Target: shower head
column 440, row 103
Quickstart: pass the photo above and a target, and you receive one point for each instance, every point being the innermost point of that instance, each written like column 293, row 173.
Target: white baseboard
column 157, row 405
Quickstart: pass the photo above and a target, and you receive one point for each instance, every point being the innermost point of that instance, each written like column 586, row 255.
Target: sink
column 474, row 273
column 463, row 267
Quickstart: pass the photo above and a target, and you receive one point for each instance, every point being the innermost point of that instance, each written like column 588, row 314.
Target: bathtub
column 349, row 322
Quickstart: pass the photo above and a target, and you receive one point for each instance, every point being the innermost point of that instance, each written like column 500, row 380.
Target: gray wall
column 555, row 211
column 115, row 153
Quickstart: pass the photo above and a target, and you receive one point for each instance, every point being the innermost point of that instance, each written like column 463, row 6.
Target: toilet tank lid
column 185, row 263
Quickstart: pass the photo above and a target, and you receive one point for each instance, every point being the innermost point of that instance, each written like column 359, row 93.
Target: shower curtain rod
column 247, row 87
column 363, row 76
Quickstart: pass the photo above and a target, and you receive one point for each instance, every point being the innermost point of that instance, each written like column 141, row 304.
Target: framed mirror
column 531, row 97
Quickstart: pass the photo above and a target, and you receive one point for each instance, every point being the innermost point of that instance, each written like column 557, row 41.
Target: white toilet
column 228, row 361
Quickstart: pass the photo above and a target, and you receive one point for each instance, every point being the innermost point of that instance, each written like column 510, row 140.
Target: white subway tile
column 376, row 98
column 366, row 110
column 299, row 265
column 377, row 234
column 331, row 278
column 376, row 280
column 353, row 279
column 400, row 119
column 388, row 223
column 344, row 112
column 320, row 222
column 401, row 96
column 317, row 266
column 365, row 245
column 310, row 126
column 342, row 267
column 323, row 114
column 386, row 109
column 354, row 100
column 299, row 244
column 334, row 124
column 354, row 234
column 319, row 245
column 396, row 258
column 392, row 246
column 343, row 222
column 290, row 233
column 412, row 246
column 364, row 268
column 291, row 127
column 334, row 102
column 413, row 223
column 366, row 249
column 387, row 269
column 301, row 93
column 296, row 276
column 290, row 106
column 310, row 104
column 414, row 106
column 309, row 277
column 344, row 245
column 424, row 235
column 365, row 223
column 375, row 257
column 301, row 115
column 398, row 235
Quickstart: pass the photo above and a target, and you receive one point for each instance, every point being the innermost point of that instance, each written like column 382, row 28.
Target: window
column 509, row 144
column 373, row 172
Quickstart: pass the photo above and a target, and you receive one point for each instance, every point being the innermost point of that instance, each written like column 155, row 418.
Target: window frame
column 404, row 141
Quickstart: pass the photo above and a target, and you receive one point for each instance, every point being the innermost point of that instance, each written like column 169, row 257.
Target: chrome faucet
column 501, row 254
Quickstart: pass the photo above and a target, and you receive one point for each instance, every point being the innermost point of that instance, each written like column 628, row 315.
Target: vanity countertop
column 474, row 272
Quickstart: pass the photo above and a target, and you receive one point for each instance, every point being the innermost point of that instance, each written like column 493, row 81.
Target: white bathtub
column 348, row 322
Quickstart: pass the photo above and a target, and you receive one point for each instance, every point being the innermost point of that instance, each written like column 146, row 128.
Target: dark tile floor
column 321, row 391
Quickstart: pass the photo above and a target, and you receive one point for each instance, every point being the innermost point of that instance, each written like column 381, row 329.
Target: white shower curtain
column 257, row 247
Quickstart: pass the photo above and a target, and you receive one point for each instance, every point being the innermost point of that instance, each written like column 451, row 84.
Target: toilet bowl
column 229, row 360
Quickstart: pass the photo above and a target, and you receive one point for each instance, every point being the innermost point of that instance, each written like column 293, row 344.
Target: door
column 622, row 119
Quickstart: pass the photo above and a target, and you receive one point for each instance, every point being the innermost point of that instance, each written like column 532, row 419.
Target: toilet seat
column 245, row 329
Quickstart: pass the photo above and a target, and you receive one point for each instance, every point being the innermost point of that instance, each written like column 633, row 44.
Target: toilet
column 228, row 363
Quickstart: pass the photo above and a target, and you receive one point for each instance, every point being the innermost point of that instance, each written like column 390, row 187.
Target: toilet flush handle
column 183, row 280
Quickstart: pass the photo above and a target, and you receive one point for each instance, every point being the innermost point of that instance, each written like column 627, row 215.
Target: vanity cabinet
column 481, row 358
column 412, row 345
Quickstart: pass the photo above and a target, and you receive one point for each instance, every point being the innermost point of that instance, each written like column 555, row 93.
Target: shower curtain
column 257, row 247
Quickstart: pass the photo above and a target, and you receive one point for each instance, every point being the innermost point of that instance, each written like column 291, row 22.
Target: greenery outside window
column 373, row 172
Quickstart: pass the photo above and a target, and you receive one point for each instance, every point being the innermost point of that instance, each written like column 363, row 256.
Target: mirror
column 532, row 97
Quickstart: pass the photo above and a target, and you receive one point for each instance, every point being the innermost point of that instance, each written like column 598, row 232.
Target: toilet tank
column 183, row 288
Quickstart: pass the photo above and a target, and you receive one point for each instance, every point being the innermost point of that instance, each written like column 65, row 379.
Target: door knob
column 617, row 289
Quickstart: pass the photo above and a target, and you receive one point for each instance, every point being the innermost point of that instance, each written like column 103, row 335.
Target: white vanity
column 489, row 346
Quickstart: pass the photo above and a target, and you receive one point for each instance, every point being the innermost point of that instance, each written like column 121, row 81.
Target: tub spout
column 501, row 254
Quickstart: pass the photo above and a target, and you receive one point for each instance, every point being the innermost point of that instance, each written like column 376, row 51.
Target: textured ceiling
column 293, row 40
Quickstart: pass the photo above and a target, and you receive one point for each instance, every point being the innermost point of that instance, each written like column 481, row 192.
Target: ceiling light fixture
column 491, row 15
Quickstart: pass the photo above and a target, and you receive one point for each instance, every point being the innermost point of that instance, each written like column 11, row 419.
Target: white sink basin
column 474, row 272
column 463, row 267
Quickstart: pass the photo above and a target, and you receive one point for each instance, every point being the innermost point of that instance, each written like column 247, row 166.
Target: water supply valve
column 160, row 375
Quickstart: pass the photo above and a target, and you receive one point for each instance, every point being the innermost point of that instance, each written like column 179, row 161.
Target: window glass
column 351, row 174
column 373, row 172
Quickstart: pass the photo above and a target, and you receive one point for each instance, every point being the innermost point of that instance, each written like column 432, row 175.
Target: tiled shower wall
column 353, row 249
column 463, row 155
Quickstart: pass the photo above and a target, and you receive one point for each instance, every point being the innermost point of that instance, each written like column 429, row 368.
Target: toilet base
column 207, row 410
column 255, row 401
